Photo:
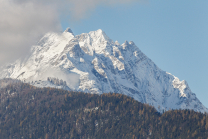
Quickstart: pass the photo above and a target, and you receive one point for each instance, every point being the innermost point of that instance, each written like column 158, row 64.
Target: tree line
column 48, row 113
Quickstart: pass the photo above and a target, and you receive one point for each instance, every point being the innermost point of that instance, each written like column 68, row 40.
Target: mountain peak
column 69, row 30
column 117, row 43
column 93, row 63
column 100, row 31
column 126, row 42
column 131, row 43
column 99, row 34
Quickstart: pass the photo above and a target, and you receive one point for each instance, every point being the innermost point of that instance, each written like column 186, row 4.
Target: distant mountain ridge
column 93, row 63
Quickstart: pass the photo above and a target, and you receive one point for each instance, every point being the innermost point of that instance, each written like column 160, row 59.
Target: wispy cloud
column 23, row 22
column 80, row 8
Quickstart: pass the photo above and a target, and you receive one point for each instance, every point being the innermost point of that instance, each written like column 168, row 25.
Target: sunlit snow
column 93, row 63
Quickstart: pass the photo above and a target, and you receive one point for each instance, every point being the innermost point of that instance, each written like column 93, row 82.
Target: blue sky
column 174, row 34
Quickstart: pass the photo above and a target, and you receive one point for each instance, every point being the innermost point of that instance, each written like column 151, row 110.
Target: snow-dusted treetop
column 93, row 63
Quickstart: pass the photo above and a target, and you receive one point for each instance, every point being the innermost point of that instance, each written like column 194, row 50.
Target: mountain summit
column 93, row 63
column 68, row 30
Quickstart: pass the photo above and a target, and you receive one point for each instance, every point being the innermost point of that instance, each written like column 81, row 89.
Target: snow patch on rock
column 93, row 63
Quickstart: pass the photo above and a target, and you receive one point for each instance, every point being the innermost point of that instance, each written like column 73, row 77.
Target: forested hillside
column 47, row 113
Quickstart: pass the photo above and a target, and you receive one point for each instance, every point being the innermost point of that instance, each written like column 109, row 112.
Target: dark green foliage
column 48, row 113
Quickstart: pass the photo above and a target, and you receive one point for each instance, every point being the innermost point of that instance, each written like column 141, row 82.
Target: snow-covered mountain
column 93, row 63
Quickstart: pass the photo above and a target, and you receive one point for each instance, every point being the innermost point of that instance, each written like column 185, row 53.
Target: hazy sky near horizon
column 174, row 34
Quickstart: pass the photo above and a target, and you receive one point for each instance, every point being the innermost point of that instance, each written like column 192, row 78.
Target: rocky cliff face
column 93, row 63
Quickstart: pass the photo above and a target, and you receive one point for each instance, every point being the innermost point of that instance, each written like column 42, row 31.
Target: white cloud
column 23, row 22
column 81, row 8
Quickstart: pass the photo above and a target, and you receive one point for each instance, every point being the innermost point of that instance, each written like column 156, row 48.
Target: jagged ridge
column 93, row 63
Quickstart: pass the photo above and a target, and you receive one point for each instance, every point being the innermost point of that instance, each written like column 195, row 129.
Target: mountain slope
column 93, row 63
